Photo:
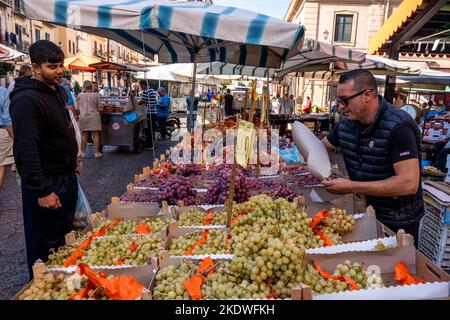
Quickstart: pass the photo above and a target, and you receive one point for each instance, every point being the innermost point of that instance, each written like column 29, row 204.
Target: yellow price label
column 244, row 142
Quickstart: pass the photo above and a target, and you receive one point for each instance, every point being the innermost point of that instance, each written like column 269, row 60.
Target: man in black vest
column 381, row 149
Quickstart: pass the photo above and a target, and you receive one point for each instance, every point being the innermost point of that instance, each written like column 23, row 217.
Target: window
column 47, row 36
column 73, row 48
column 70, row 46
column 343, row 28
column 37, row 33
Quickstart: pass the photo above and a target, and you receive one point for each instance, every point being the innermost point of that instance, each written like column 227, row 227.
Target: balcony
column 99, row 53
column 8, row 3
column 18, row 8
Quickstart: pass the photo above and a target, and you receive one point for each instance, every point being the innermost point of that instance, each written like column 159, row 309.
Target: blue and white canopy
column 384, row 66
column 178, row 31
column 315, row 56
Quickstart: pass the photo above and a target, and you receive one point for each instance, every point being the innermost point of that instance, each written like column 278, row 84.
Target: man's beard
column 49, row 80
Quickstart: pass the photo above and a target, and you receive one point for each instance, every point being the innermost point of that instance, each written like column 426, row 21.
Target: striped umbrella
column 178, row 31
column 318, row 56
column 315, row 56
column 383, row 66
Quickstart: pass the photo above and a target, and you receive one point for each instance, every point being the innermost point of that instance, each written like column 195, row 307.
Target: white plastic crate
column 434, row 232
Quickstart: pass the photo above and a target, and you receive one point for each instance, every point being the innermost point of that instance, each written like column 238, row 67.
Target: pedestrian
column 229, row 103
column 209, row 95
column 162, row 111
column 94, row 86
column 308, row 106
column 291, row 104
column 71, row 102
column 45, row 151
column 6, row 134
column 149, row 100
column 381, row 149
column 90, row 119
column 194, row 110
column 285, row 106
column 25, row 71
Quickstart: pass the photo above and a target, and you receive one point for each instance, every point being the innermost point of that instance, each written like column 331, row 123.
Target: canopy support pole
column 191, row 106
column 150, row 113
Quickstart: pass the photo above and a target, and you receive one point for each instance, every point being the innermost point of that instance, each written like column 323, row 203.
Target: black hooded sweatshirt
column 44, row 138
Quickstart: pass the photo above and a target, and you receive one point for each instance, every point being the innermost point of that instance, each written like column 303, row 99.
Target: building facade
column 18, row 33
column 349, row 23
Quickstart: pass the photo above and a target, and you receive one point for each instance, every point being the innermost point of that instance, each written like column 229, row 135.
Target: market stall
column 117, row 129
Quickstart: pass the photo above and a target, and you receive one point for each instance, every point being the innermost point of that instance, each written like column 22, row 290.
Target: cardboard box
column 143, row 274
column 118, row 209
column 177, row 211
column 437, row 284
column 161, row 235
column 176, row 232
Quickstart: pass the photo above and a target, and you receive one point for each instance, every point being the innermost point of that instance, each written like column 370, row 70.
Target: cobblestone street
column 101, row 179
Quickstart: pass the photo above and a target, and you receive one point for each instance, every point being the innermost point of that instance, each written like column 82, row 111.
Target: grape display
column 169, row 282
column 128, row 227
column 51, row 286
column 195, row 218
column 147, row 196
column 219, row 192
column 216, row 243
column 175, row 189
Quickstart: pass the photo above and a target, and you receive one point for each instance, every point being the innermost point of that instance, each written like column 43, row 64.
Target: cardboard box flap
column 384, row 261
column 413, row 292
column 368, row 245
column 135, row 209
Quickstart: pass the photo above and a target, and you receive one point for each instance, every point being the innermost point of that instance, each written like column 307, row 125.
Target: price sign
column 244, row 142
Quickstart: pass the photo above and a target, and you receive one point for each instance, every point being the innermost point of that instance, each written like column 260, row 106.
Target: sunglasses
column 344, row 101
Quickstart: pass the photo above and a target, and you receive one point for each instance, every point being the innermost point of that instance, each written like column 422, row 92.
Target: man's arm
column 405, row 182
column 404, row 155
column 327, row 144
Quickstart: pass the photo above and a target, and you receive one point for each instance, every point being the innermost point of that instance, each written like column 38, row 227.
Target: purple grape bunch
column 219, row 191
column 176, row 189
column 189, row 170
column 140, row 196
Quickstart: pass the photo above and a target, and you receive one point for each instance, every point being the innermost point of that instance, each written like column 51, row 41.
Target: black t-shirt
column 403, row 145
column 229, row 100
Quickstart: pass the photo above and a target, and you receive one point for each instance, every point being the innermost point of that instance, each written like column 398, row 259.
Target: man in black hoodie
column 45, row 150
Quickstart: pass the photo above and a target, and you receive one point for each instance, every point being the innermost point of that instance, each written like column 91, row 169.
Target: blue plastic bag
column 289, row 155
column 83, row 211
column 131, row 117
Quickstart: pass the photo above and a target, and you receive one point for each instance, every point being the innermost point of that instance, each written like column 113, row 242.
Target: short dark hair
column 228, row 90
column 44, row 51
column 362, row 79
column 143, row 83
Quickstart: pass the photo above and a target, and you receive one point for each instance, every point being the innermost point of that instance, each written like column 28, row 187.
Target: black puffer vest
column 366, row 156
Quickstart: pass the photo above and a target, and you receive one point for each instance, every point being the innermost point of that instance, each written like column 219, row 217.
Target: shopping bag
column 83, row 211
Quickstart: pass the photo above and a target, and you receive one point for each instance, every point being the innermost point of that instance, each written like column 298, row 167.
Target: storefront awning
column 415, row 26
column 395, row 21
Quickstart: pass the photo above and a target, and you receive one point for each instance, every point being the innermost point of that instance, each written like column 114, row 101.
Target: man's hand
column 51, row 201
column 338, row 186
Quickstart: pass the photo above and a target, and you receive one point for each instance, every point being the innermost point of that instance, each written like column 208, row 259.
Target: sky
column 273, row 8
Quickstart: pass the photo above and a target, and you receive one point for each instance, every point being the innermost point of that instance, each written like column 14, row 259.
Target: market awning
column 413, row 23
column 7, row 53
column 80, row 63
column 178, row 31
column 384, row 66
column 106, row 66
column 314, row 56
column 318, row 55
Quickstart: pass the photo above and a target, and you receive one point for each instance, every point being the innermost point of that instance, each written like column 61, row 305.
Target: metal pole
column 191, row 107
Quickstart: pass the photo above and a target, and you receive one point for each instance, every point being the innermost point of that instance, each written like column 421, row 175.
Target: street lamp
column 325, row 34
